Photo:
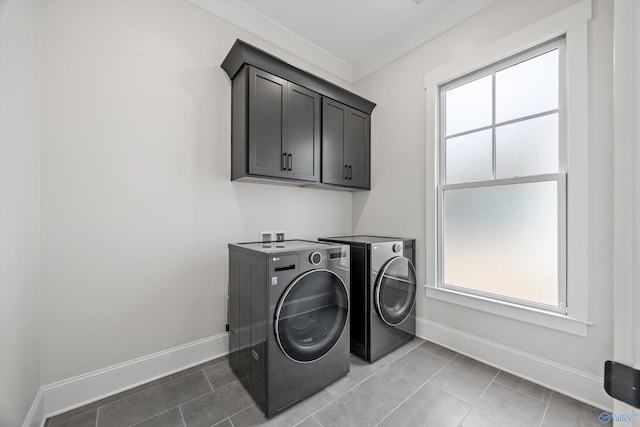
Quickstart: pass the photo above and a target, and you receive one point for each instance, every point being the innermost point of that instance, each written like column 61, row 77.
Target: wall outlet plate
column 279, row 236
column 266, row 236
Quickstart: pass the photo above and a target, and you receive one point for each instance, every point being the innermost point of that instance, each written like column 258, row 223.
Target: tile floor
column 420, row 384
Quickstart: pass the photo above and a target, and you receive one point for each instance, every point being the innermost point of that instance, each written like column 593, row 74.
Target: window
column 502, row 189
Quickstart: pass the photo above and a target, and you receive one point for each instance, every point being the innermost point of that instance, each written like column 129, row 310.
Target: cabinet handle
column 346, row 171
column 284, row 161
column 290, row 161
column 350, row 172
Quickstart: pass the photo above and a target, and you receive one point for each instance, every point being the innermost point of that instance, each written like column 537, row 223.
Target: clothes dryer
column 288, row 319
column 383, row 293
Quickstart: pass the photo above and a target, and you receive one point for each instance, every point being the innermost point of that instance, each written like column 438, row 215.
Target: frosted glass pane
column 468, row 157
column 526, row 148
column 527, row 88
column 469, row 106
column 503, row 240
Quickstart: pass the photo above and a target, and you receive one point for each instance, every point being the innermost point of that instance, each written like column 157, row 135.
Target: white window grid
column 560, row 177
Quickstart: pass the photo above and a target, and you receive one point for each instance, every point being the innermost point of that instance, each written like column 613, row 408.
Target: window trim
column 572, row 23
column 559, row 177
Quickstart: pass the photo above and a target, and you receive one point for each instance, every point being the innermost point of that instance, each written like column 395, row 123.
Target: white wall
column 20, row 49
column 396, row 204
column 137, row 203
column 626, row 296
column 637, row 189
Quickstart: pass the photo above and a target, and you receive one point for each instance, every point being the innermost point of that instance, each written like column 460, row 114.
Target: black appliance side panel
column 247, row 322
column 258, row 316
column 244, row 298
column 234, row 313
column 359, row 302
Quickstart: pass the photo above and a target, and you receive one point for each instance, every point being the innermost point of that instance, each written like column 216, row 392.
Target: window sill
column 530, row 315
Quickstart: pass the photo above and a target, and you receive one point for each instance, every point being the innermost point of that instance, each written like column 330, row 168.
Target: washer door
column 395, row 290
column 311, row 315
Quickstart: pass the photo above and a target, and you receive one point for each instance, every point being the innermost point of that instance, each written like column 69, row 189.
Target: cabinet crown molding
column 243, row 53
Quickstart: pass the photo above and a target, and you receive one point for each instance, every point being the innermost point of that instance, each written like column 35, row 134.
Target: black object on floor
column 622, row 382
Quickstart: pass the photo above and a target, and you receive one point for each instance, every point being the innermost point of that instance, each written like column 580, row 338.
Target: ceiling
column 347, row 38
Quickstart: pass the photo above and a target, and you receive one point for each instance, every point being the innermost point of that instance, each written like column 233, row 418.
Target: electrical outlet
column 266, row 236
column 279, row 236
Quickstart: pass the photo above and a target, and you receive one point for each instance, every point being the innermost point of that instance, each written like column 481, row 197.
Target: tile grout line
column 152, row 389
column 415, row 391
column 521, row 392
column 191, row 400
column 386, row 365
column 334, row 399
column 481, row 394
column 207, row 378
column 97, row 415
column 236, row 413
column 410, row 349
column 184, row 423
column 130, row 395
column 309, row 417
column 305, row 419
column 185, row 402
column 168, row 377
column 202, row 366
column 546, row 409
column 153, row 416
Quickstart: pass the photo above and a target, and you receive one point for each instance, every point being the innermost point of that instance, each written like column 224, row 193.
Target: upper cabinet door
column 358, row 148
column 267, row 124
column 346, row 145
column 334, row 122
column 303, row 134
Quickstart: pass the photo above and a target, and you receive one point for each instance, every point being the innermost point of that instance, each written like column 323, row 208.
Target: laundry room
column 139, row 188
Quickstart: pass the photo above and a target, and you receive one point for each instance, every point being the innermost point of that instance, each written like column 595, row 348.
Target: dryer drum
column 311, row 315
column 395, row 290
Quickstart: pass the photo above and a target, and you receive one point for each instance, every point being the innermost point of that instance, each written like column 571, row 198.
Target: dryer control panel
column 383, row 252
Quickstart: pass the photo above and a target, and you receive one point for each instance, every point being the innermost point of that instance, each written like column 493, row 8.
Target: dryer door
column 395, row 290
column 311, row 315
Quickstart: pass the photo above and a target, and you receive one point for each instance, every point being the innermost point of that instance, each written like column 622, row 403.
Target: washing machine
column 383, row 293
column 288, row 319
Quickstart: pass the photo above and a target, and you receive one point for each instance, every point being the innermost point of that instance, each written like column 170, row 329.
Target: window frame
column 559, row 177
column 572, row 23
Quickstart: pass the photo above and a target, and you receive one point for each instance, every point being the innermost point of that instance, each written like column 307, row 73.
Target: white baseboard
column 580, row 385
column 74, row 392
column 35, row 417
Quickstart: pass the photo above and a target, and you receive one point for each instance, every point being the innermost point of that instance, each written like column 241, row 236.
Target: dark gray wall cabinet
column 290, row 125
column 345, row 145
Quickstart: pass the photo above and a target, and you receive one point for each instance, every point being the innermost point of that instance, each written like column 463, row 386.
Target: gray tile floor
column 420, row 384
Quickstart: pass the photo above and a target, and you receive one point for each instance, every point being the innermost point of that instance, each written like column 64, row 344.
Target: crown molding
column 440, row 22
column 252, row 21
